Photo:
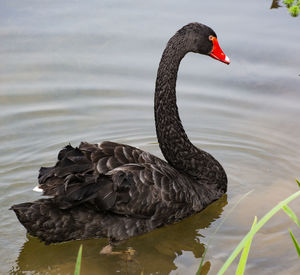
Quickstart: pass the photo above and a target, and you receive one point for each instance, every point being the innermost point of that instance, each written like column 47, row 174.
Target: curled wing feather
column 112, row 177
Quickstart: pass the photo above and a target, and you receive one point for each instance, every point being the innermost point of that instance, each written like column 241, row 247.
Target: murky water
column 80, row 70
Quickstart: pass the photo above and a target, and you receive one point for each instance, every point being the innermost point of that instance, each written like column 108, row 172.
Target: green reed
column 78, row 261
column 246, row 241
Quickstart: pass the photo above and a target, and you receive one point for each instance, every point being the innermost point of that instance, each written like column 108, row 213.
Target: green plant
column 78, row 261
column 243, row 260
column 293, row 7
column 288, row 3
column 246, row 241
column 294, row 11
column 295, row 243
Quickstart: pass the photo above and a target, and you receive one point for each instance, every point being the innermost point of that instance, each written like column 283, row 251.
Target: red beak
column 217, row 52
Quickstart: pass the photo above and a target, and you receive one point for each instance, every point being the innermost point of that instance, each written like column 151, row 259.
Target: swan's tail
column 44, row 220
column 71, row 161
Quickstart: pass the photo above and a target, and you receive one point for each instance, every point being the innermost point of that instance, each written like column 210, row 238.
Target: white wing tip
column 37, row 189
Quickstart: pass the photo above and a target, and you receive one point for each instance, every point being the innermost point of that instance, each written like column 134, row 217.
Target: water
column 78, row 71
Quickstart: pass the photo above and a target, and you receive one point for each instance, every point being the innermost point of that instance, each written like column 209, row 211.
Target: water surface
column 76, row 71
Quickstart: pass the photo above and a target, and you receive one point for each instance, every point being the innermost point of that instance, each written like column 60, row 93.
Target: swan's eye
column 210, row 37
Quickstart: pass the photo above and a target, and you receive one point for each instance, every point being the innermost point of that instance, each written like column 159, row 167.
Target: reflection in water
column 161, row 246
column 292, row 5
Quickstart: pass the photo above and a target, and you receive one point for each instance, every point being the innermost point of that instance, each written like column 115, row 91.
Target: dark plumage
column 118, row 191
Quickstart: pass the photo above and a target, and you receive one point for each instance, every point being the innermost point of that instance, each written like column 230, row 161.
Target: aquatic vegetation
column 244, row 256
column 293, row 6
column 78, row 261
column 246, row 241
column 288, row 3
column 295, row 243
column 253, row 231
column 294, row 11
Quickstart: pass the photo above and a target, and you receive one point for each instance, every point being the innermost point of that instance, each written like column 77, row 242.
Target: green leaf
column 243, row 260
column 78, row 261
column 291, row 214
column 294, row 11
column 296, row 179
column 288, row 3
column 254, row 230
column 295, row 243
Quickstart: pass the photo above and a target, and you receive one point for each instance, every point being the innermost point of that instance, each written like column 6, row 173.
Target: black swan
column 118, row 191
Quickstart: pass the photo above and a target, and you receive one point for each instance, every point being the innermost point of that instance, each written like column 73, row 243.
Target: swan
column 116, row 191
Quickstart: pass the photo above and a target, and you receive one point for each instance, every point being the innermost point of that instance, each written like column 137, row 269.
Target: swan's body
column 118, row 191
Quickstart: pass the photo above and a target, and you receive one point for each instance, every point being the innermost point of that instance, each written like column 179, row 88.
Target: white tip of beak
column 227, row 60
column 37, row 189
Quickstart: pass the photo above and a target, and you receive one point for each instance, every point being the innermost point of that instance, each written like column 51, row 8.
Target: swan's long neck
column 172, row 138
column 174, row 143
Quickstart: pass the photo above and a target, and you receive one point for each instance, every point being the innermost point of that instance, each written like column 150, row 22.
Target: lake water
column 85, row 70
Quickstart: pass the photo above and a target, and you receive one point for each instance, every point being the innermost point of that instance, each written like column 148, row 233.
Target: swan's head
column 202, row 39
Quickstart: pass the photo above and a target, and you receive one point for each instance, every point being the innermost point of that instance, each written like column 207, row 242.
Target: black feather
column 119, row 191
